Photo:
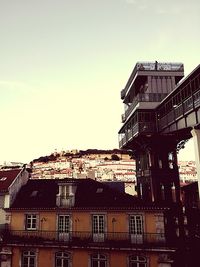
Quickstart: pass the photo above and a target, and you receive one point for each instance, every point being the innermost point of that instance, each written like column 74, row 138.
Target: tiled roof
column 37, row 194
column 7, row 177
column 89, row 194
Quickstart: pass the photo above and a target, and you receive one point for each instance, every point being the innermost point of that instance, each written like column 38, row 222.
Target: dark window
column 98, row 260
column 31, row 222
column 28, row 259
column 62, row 259
column 137, row 261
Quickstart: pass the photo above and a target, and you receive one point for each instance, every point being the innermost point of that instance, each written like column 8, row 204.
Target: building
column 58, row 223
column 162, row 111
column 11, row 181
column 92, row 163
column 147, row 86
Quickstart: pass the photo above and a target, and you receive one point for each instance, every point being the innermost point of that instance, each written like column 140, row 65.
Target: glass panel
column 98, row 224
column 32, row 261
column 132, row 225
column 65, row 263
column 64, row 223
column 141, row 259
column 137, row 261
column 62, row 259
column 138, row 225
column 28, row 259
column 31, row 221
column 102, row 264
column 95, row 263
column 58, row 263
column 135, row 224
column 102, row 257
column 25, row 262
column 101, row 224
column 99, row 260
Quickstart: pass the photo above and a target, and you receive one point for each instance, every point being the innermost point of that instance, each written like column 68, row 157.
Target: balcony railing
column 141, row 98
column 179, row 111
column 137, row 128
column 67, row 201
column 123, row 239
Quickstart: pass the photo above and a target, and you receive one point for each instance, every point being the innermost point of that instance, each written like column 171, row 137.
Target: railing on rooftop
column 162, row 66
column 119, row 239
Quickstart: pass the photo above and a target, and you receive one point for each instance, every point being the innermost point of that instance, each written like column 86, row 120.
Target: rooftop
column 89, row 194
column 7, row 177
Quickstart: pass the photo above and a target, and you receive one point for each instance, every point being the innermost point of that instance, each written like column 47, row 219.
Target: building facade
column 86, row 223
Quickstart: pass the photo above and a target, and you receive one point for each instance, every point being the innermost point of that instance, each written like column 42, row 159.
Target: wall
column 117, row 221
column 81, row 257
column 47, row 224
column 19, row 181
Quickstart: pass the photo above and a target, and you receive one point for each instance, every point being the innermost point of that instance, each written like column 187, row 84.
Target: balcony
column 108, row 239
column 67, row 201
column 143, row 98
column 138, row 128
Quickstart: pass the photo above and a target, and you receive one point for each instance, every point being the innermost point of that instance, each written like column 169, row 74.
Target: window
column 65, row 191
column 135, row 224
column 31, row 222
column 98, row 260
column 62, row 259
column 98, row 224
column 98, row 227
column 64, row 227
column 137, row 261
column 136, row 228
column 66, row 196
column 63, row 223
column 28, row 259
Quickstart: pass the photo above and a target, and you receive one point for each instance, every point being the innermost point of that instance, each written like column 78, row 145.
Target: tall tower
column 155, row 153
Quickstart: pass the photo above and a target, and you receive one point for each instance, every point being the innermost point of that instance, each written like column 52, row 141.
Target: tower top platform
column 144, row 69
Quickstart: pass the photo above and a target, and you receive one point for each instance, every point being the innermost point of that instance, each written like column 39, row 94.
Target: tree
column 115, row 157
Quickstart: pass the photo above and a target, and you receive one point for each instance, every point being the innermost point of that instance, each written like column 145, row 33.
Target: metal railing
column 140, row 127
column 80, row 238
column 164, row 66
column 179, row 111
column 141, row 98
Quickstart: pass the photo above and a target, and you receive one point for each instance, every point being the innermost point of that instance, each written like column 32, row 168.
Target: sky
column 63, row 64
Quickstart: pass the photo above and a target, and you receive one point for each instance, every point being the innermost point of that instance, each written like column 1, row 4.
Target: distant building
column 95, row 164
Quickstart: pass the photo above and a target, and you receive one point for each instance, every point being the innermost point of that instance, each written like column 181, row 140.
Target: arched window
column 137, row 261
column 28, row 258
column 62, row 259
column 98, row 260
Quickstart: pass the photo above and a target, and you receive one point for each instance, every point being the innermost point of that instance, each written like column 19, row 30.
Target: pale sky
column 63, row 64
